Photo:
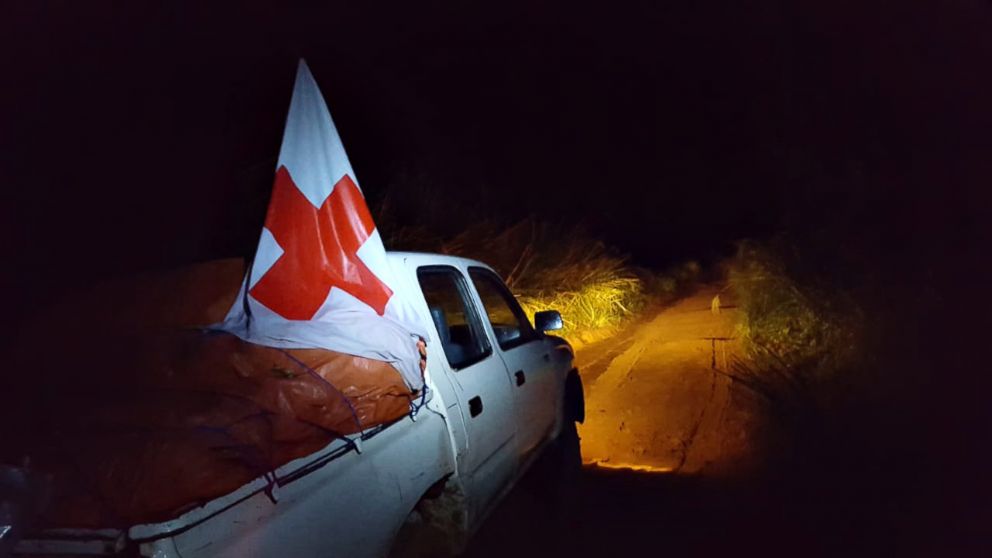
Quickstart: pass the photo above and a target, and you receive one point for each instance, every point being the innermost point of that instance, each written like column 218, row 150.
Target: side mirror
column 547, row 320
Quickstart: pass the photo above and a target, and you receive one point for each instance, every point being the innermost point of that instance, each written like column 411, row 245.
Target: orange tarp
column 138, row 425
column 209, row 414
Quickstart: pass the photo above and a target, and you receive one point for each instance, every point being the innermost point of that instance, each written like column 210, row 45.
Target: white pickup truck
column 499, row 392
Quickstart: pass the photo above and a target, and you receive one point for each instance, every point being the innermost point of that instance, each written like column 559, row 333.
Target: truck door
column 480, row 379
column 526, row 354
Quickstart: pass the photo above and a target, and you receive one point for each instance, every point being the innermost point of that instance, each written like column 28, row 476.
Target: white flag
column 320, row 277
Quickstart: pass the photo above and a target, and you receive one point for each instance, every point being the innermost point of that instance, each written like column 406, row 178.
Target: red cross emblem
column 320, row 250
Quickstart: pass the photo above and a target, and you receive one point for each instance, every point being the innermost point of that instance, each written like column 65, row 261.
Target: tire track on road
column 656, row 400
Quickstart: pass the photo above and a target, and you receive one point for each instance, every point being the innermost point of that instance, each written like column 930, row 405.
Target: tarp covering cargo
column 139, row 423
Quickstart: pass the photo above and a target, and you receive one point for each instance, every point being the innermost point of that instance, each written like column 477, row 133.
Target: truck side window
column 509, row 322
column 457, row 323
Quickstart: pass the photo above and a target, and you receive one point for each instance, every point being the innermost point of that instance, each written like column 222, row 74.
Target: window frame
column 531, row 335
column 474, row 320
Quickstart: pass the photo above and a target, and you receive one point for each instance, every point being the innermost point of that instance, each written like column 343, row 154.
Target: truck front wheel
column 575, row 402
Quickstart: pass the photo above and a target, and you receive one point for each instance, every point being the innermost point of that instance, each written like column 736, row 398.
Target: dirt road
column 673, row 465
column 656, row 399
column 664, row 439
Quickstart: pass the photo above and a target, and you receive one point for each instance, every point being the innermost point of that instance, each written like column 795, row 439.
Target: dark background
column 139, row 138
column 144, row 137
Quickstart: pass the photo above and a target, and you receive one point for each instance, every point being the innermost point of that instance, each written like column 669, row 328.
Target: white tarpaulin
column 320, row 277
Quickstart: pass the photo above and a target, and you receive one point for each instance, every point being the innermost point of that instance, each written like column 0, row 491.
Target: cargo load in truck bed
column 143, row 426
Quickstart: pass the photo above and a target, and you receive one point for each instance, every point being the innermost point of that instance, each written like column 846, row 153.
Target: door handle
column 475, row 406
column 521, row 379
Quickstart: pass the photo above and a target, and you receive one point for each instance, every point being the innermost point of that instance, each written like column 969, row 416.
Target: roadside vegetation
column 547, row 267
column 800, row 338
column 552, row 266
column 837, row 358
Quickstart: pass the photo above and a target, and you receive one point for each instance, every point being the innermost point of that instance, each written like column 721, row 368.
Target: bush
column 674, row 282
column 547, row 267
column 599, row 305
column 798, row 337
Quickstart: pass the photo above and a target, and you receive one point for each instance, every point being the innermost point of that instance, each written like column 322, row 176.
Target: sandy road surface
column 664, row 436
column 673, row 454
column 655, row 397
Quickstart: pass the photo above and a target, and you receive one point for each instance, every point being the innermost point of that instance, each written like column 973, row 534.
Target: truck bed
column 339, row 492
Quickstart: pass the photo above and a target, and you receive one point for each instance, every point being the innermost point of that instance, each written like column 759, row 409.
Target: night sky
column 143, row 138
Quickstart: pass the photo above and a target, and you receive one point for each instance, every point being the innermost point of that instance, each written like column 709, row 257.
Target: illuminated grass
column 548, row 267
column 602, row 304
column 556, row 268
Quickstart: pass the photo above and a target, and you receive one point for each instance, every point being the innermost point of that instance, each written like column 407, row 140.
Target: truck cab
column 506, row 376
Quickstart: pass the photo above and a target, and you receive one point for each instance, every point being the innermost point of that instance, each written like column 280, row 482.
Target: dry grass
column 547, row 267
column 798, row 338
column 596, row 306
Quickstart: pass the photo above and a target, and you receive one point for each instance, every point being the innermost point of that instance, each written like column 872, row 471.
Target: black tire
column 565, row 453
column 565, row 456
column 575, row 401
